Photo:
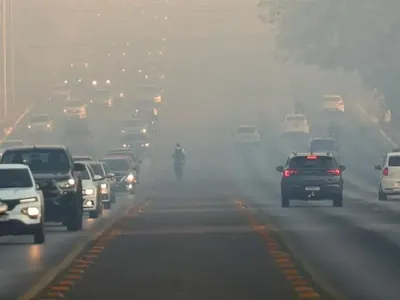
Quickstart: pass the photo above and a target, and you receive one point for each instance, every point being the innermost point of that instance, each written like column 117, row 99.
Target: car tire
column 381, row 195
column 75, row 222
column 338, row 200
column 39, row 236
column 285, row 201
column 107, row 205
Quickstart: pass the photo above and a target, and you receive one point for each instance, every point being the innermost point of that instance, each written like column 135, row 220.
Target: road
column 221, row 232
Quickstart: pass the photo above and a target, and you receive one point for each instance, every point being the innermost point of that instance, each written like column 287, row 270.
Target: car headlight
column 121, row 95
column 130, row 178
column 28, row 200
column 144, row 130
column 67, row 183
column 146, row 145
column 48, row 125
column 88, row 191
column 103, row 185
column 29, row 126
column 65, row 110
column 123, row 131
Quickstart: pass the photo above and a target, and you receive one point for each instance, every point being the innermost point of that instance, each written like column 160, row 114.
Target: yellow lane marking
column 77, row 266
column 282, row 258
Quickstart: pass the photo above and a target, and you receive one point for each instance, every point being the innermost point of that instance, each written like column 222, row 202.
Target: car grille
column 11, row 203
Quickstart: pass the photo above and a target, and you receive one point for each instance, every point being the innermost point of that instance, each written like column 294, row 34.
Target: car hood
column 16, row 193
column 51, row 176
column 87, row 184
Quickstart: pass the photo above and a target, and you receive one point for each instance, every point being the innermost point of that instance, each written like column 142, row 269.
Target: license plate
column 312, row 188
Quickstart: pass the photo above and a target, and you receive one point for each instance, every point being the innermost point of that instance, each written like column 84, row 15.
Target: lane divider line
column 94, row 235
column 75, row 271
column 283, row 259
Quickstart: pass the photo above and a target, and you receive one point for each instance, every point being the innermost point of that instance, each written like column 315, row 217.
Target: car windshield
column 246, row 129
column 39, row 118
column 9, row 144
column 312, row 162
column 83, row 174
column 133, row 123
column 117, row 164
column 73, row 103
column 322, row 145
column 98, row 170
column 39, row 160
column 132, row 137
column 295, row 119
column 394, row 161
column 15, row 178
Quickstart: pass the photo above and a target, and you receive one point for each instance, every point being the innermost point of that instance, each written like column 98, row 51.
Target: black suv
column 311, row 176
column 53, row 170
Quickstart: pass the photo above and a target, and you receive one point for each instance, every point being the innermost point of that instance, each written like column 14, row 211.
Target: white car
column 135, row 126
column 107, row 194
column 9, row 144
column 333, row 103
column 389, row 183
column 91, row 190
column 74, row 108
column 40, row 123
column 296, row 123
column 21, row 203
column 246, row 134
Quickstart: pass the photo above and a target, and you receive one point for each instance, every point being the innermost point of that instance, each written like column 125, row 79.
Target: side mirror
column 342, row 168
column 378, row 168
column 97, row 178
column 37, row 187
column 110, row 175
column 279, row 169
column 79, row 167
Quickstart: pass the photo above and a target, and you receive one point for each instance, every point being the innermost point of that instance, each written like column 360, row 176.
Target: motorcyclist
column 179, row 160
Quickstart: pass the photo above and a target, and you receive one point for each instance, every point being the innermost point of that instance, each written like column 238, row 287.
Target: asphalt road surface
column 221, row 233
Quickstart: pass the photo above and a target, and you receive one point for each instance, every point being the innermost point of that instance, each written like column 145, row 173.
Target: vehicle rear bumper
column 299, row 192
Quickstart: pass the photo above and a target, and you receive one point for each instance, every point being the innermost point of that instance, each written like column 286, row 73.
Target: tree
column 362, row 35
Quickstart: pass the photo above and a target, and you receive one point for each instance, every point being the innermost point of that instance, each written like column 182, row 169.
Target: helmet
column 178, row 145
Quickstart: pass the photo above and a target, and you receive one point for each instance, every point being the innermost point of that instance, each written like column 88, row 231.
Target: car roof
column 81, row 156
column 13, row 166
column 44, row 147
column 73, row 99
column 393, row 154
column 109, row 157
column 327, row 154
column 119, row 149
column 295, row 115
column 13, row 141
column 324, row 139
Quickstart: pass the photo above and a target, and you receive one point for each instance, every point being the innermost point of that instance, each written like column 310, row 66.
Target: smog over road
column 177, row 149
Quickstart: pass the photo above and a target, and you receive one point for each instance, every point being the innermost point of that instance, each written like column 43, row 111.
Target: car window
column 133, row 123
column 312, row 162
column 83, row 174
column 118, row 164
column 246, row 129
column 394, row 161
column 106, row 168
column 98, row 170
column 12, row 178
column 39, row 160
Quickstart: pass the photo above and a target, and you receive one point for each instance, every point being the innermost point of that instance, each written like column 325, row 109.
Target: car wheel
column 338, row 200
column 75, row 220
column 381, row 195
column 38, row 235
column 285, row 202
column 107, row 205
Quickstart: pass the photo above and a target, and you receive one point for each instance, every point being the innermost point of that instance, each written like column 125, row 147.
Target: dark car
column 123, row 169
column 148, row 115
column 53, row 170
column 138, row 143
column 82, row 158
column 311, row 176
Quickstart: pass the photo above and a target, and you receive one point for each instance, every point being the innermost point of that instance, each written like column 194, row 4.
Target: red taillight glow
column 289, row 172
column 385, row 172
column 312, row 157
column 335, row 172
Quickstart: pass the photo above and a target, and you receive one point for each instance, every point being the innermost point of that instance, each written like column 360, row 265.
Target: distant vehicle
column 40, row 123
column 389, row 182
column 246, row 134
column 53, row 170
column 138, row 142
column 151, row 92
column 311, row 176
column 296, row 123
column 124, row 172
column 135, row 125
column 22, row 205
column 333, row 103
column 107, row 185
column 91, row 189
column 9, row 144
column 101, row 97
column 81, row 158
column 59, row 93
column 126, row 151
column 74, row 108
column 149, row 115
column 325, row 145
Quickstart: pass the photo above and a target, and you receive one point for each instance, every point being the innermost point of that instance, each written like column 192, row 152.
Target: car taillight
column 335, row 172
column 289, row 172
column 385, row 172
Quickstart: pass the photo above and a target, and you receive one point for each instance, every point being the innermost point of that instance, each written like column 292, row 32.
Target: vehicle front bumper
column 16, row 220
column 90, row 203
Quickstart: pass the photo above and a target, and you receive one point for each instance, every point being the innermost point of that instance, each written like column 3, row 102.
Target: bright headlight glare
column 89, row 191
column 67, row 183
column 144, row 130
column 29, row 126
column 130, row 177
column 28, row 200
column 103, row 185
column 33, row 211
column 48, row 125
